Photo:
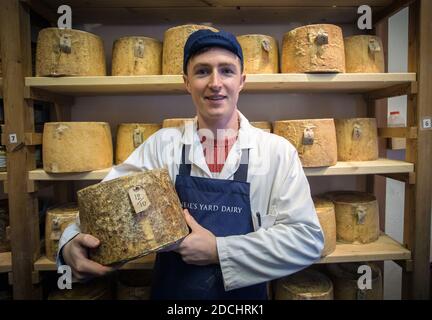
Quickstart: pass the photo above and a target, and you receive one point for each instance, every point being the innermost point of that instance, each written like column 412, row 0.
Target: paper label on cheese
column 139, row 199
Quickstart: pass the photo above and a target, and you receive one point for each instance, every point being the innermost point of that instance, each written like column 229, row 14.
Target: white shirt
column 289, row 237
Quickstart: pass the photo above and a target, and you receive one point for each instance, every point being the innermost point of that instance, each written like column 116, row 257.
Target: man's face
column 214, row 81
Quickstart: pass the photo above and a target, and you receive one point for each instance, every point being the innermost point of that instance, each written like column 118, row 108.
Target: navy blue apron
column 223, row 207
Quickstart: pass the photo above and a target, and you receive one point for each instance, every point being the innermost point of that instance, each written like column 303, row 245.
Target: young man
column 247, row 200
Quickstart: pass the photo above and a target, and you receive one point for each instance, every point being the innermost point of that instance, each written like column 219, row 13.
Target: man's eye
column 201, row 71
column 227, row 71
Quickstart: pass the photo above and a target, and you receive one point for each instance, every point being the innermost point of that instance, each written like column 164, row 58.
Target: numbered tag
column 266, row 45
column 139, row 199
column 308, row 136
column 13, row 138
column 65, row 43
column 139, row 49
column 357, row 132
column 137, row 138
column 427, row 123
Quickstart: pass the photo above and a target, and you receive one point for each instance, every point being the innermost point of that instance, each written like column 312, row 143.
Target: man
column 247, row 200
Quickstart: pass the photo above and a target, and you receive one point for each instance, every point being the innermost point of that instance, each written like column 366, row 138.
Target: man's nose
column 215, row 82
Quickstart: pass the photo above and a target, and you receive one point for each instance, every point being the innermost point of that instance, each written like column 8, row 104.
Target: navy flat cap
column 206, row 38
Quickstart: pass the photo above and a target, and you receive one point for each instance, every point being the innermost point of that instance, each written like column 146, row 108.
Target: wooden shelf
column 380, row 166
column 1, row 87
column 385, row 248
column 3, row 176
column 5, row 262
column 173, row 84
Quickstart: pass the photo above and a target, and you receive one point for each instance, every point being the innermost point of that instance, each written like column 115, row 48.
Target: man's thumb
column 190, row 220
column 89, row 241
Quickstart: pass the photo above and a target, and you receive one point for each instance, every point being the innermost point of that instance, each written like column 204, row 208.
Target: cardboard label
column 139, row 199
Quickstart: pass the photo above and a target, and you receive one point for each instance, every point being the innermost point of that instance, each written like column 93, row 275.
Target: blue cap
column 205, row 38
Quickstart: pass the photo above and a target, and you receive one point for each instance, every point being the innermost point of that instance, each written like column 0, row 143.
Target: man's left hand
column 199, row 247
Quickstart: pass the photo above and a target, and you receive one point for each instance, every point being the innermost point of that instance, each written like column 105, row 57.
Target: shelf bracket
column 394, row 91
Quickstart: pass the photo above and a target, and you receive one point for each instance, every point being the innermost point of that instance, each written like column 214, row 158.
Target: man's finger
column 87, row 266
column 191, row 221
column 88, row 240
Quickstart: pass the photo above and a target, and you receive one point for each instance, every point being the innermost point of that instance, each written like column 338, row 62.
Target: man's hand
column 199, row 247
column 75, row 255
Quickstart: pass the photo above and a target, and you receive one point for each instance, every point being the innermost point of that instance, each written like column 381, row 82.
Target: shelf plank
column 1, row 87
column 379, row 166
column 5, row 262
column 173, row 84
column 3, row 176
column 385, row 248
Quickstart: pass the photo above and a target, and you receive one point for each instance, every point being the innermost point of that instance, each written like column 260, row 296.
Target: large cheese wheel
column 56, row 221
column 313, row 49
column 174, row 40
column 346, row 276
column 67, row 52
column 364, row 54
column 132, row 215
column 130, row 136
column 260, row 53
column 134, row 285
column 357, row 139
column 96, row 289
column 135, row 56
column 307, row 284
column 265, row 125
column 4, row 223
column 76, row 146
column 314, row 139
column 326, row 214
column 357, row 216
column 176, row 122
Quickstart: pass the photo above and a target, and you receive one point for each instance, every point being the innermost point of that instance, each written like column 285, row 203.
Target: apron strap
column 239, row 175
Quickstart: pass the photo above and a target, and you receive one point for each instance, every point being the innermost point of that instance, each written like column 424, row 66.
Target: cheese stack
column 134, row 285
column 307, row 284
column 132, row 215
column 176, row 122
column 173, row 45
column 136, row 56
column 4, row 223
column 67, row 52
column 97, row 289
column 357, row 139
column 357, row 216
column 346, row 276
column 326, row 214
column 315, row 48
column 364, row 54
column 314, row 139
column 76, row 146
column 265, row 125
column 56, row 221
column 260, row 53
column 130, row 136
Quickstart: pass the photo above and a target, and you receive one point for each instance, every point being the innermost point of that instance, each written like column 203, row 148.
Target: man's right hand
column 75, row 254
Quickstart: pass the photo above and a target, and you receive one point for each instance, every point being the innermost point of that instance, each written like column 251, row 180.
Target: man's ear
column 242, row 80
column 186, row 82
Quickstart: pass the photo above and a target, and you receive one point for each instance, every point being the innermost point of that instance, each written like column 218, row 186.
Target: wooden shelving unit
column 5, row 262
column 415, row 171
column 3, row 176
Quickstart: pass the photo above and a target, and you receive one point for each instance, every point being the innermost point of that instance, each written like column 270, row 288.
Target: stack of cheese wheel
column 364, row 54
column 132, row 215
column 357, row 139
column 96, row 289
column 315, row 48
column 67, row 52
column 130, row 136
column 135, row 56
column 4, row 222
column 357, row 216
column 260, row 53
column 307, row 284
column 326, row 214
column 176, row 122
column 76, row 146
column 265, row 125
column 134, row 285
column 314, row 139
column 173, row 45
column 56, row 221
column 345, row 277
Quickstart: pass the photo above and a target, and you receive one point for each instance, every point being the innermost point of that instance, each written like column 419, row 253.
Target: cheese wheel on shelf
column 357, row 216
column 314, row 139
column 174, row 41
column 132, row 216
column 96, row 289
column 315, row 48
column 326, row 214
column 345, row 277
column 134, row 284
column 135, row 56
column 130, row 136
column 364, row 54
column 68, row 52
column 265, row 125
column 176, row 122
column 56, row 221
column 307, row 284
column 357, row 139
column 76, row 146
column 4, row 223
column 260, row 53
